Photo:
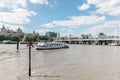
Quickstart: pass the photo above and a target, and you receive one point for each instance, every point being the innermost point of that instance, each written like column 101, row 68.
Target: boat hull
column 49, row 48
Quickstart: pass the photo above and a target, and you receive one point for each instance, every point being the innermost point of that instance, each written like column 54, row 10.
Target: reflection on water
column 79, row 62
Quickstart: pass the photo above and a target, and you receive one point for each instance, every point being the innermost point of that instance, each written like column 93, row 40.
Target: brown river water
column 79, row 62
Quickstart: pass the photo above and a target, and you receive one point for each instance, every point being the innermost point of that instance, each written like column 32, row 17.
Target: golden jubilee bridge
column 93, row 41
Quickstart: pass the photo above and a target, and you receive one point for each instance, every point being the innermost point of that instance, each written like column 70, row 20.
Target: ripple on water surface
column 79, row 62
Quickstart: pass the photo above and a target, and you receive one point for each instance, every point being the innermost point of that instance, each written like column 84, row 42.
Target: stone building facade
column 53, row 34
column 5, row 31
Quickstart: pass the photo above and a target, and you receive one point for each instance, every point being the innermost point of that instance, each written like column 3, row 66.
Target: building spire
column 34, row 31
column 3, row 26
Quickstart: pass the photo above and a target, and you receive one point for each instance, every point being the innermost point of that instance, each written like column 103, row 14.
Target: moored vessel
column 50, row 45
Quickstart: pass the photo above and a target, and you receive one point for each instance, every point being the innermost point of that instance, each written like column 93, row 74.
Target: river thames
column 79, row 62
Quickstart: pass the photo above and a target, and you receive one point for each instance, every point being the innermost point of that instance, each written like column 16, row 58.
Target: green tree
column 4, row 37
column 21, row 37
column 15, row 38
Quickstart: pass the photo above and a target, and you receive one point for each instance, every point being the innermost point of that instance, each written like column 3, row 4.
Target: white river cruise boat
column 50, row 45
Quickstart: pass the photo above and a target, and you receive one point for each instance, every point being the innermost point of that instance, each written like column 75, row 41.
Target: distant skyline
column 64, row 16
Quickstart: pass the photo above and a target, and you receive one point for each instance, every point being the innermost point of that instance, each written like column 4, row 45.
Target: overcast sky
column 64, row 16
